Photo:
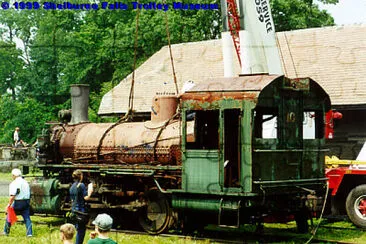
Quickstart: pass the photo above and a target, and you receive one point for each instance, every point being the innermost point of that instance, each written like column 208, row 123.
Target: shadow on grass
column 328, row 231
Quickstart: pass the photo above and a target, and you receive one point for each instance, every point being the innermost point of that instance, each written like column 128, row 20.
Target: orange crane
column 233, row 22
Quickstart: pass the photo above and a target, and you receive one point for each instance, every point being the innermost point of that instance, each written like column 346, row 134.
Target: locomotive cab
column 248, row 153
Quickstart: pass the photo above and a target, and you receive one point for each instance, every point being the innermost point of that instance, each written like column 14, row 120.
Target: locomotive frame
column 213, row 159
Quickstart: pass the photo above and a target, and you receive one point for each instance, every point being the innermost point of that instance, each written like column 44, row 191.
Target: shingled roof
column 333, row 56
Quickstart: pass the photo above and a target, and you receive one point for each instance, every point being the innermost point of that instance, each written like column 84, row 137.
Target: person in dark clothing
column 79, row 193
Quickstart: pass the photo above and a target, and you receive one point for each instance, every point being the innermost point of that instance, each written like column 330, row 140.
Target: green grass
column 46, row 230
column 50, row 235
column 29, row 177
column 350, row 235
column 5, row 176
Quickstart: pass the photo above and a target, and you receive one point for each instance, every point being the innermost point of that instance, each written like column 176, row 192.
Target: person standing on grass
column 19, row 193
column 67, row 232
column 103, row 225
column 79, row 194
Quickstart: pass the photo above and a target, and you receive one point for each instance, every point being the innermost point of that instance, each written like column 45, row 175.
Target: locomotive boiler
column 208, row 156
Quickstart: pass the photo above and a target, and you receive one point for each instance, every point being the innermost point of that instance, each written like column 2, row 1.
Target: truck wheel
column 356, row 206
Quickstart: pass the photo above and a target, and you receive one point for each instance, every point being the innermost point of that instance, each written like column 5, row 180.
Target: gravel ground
column 4, row 188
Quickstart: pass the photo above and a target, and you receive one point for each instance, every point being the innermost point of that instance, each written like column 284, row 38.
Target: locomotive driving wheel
column 156, row 217
column 356, row 206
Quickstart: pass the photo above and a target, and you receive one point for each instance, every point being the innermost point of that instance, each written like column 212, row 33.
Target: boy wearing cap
column 19, row 193
column 103, row 224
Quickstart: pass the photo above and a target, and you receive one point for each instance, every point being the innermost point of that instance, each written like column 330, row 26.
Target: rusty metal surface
column 125, row 143
column 237, row 88
column 66, row 137
column 241, row 83
column 215, row 96
column 163, row 108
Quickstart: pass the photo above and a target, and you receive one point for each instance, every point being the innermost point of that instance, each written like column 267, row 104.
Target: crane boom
column 234, row 26
column 252, row 31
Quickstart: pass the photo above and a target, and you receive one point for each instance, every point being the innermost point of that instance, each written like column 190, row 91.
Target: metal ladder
column 231, row 207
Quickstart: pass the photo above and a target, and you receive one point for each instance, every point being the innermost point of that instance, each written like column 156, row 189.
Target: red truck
column 347, row 187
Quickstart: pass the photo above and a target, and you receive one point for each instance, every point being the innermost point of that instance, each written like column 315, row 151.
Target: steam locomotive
column 207, row 156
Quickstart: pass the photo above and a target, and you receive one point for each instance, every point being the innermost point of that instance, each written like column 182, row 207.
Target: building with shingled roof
column 335, row 57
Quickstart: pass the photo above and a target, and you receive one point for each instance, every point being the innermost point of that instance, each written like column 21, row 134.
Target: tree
column 299, row 14
column 10, row 66
column 29, row 115
column 64, row 47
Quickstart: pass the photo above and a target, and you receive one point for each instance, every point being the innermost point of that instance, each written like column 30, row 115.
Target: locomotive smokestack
column 79, row 103
column 163, row 108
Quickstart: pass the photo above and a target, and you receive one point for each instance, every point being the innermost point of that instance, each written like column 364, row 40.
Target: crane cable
column 283, row 57
column 292, row 58
column 170, row 50
column 131, row 96
column 174, row 77
column 313, row 232
column 281, row 53
column 128, row 116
